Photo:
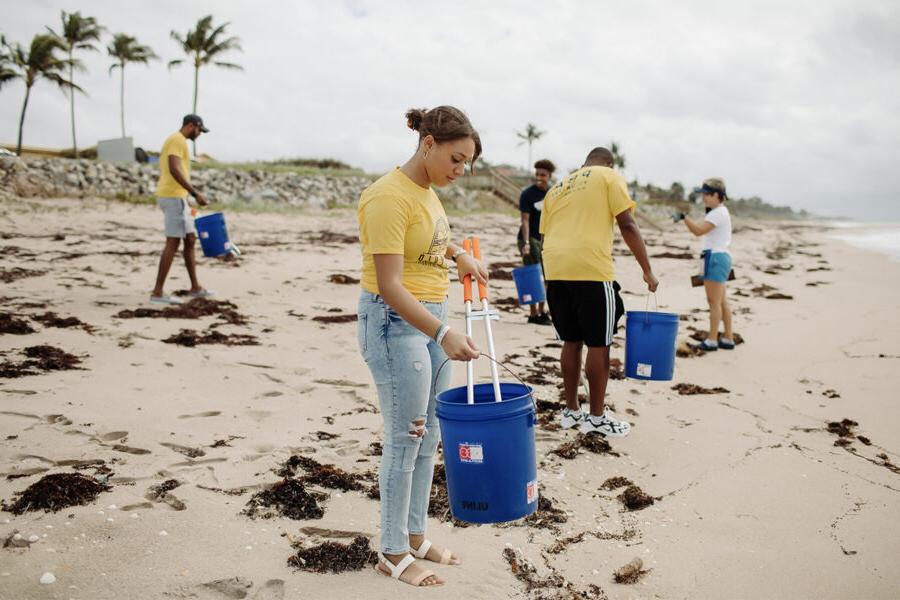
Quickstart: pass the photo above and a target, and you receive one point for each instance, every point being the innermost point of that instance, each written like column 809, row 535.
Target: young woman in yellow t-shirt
column 402, row 334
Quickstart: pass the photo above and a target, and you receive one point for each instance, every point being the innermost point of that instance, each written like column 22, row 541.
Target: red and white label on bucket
column 526, row 297
column 531, row 491
column 644, row 370
column 471, row 453
column 204, row 235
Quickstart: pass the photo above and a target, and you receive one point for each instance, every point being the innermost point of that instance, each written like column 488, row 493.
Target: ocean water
column 880, row 237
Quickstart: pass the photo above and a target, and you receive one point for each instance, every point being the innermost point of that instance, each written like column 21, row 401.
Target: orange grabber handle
column 482, row 289
column 467, row 280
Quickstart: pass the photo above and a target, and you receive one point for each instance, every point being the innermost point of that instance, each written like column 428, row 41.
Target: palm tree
column 618, row 157
column 529, row 136
column 125, row 49
column 78, row 33
column 7, row 73
column 38, row 61
column 203, row 45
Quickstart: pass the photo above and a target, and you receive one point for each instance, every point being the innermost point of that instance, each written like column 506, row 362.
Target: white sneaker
column 607, row 425
column 571, row 418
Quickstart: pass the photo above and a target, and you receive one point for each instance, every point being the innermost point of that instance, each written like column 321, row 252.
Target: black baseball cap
column 196, row 120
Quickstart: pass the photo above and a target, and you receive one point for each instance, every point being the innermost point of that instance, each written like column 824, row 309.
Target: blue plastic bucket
column 529, row 284
column 213, row 234
column 489, row 453
column 650, row 345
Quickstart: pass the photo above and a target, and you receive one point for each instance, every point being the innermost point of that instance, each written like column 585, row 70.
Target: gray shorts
column 178, row 219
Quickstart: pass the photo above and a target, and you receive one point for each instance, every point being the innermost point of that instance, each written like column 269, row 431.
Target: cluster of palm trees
column 52, row 57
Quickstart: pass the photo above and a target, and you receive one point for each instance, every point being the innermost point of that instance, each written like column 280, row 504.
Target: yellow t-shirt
column 577, row 223
column 167, row 187
column 397, row 216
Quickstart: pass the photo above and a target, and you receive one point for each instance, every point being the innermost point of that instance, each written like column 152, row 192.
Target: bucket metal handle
column 647, row 306
column 508, row 370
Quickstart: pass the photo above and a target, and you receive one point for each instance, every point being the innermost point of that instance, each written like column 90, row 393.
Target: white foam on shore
column 880, row 237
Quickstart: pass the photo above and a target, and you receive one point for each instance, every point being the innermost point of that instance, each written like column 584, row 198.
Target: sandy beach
column 754, row 494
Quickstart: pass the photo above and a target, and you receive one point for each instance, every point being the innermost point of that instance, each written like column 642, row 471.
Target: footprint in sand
column 194, row 463
column 18, row 414
column 129, row 449
column 57, row 419
column 258, row 415
column 112, row 436
column 208, row 413
column 16, row 473
column 186, row 450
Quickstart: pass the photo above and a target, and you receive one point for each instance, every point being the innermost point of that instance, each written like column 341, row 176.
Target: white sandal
column 398, row 569
column 446, row 556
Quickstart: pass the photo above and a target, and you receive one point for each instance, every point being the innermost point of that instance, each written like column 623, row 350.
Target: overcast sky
column 796, row 102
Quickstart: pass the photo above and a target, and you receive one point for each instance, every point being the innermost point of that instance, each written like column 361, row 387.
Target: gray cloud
column 794, row 102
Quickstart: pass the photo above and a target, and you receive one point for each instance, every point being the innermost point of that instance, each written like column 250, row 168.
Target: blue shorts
column 716, row 266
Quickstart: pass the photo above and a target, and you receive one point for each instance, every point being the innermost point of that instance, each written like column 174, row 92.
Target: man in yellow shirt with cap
column 172, row 191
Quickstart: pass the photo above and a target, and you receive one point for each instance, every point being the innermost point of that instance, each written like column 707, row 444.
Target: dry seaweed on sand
column 330, row 238
column 547, row 515
column 680, row 255
column 843, row 428
column 191, row 338
column 51, row 319
column 194, row 309
column 550, row 587
column 287, row 498
column 631, row 572
column 591, row 442
column 496, row 273
column 10, row 275
column 342, row 279
column 57, row 491
column 327, row 476
column 40, row 358
column 692, row 389
column 334, row 557
column 345, row 318
column 10, row 323
column 508, row 304
column 614, row 483
column 634, row 498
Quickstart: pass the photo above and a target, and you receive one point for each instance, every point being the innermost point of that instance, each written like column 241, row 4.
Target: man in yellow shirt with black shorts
column 171, row 196
column 577, row 228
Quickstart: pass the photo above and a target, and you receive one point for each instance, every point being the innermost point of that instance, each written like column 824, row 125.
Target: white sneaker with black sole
column 606, row 425
column 570, row 418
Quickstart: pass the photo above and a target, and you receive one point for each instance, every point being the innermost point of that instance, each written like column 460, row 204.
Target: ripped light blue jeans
column 403, row 362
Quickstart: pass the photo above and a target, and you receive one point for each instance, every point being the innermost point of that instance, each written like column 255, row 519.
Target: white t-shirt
column 719, row 238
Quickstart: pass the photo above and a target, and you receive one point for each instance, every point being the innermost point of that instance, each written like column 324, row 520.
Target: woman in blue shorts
column 716, row 231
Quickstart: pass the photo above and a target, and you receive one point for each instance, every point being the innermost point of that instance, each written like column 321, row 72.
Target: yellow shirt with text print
column 577, row 224
column 167, row 186
column 398, row 216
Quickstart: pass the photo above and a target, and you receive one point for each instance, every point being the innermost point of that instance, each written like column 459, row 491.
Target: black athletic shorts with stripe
column 585, row 311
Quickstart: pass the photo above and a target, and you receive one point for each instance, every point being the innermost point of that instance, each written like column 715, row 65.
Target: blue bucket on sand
column 213, row 234
column 529, row 284
column 650, row 345
column 489, row 452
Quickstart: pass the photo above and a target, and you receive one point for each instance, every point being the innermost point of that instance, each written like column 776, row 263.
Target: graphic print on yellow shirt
column 397, row 216
column 577, row 224
column 167, row 187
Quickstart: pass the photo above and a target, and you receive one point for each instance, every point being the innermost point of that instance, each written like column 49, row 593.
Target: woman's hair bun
column 414, row 118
